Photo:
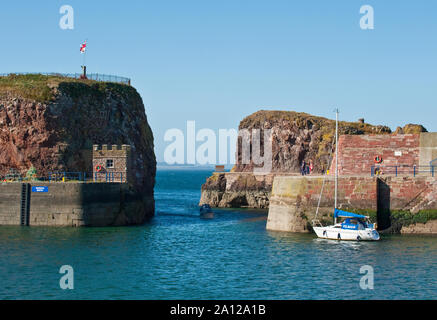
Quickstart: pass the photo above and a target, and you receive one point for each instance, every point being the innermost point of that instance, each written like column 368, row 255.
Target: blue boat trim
column 345, row 214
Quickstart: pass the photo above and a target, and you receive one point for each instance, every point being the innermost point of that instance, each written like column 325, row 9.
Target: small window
column 109, row 163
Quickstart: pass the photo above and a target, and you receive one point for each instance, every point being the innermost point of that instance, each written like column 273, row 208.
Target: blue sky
column 216, row 62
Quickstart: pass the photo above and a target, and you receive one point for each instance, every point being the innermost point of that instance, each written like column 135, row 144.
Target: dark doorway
column 383, row 205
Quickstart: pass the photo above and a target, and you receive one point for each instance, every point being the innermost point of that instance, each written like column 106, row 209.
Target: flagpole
column 84, row 59
column 84, row 54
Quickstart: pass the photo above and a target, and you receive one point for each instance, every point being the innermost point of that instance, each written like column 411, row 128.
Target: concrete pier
column 73, row 204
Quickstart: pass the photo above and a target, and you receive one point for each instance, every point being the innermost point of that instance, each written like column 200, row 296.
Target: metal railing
column 109, row 177
column 89, row 76
column 64, row 176
column 414, row 170
column 67, row 176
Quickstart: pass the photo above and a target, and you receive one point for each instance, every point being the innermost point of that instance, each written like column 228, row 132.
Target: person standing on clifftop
column 311, row 166
column 303, row 168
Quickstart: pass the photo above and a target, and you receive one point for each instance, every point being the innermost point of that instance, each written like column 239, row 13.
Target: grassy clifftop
column 301, row 120
column 42, row 88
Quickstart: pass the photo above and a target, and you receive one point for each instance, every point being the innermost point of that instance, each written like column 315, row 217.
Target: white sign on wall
column 398, row 153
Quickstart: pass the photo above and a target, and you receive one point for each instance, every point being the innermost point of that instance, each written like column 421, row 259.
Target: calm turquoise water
column 179, row 256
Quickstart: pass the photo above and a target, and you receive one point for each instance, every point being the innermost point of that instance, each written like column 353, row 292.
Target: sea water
column 180, row 256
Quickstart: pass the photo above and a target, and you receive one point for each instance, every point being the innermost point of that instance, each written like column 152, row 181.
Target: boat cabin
column 354, row 224
column 353, row 221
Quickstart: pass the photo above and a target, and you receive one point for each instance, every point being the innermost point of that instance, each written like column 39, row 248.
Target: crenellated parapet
column 112, row 163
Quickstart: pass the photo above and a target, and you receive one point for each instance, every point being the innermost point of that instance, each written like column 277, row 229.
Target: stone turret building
column 112, row 163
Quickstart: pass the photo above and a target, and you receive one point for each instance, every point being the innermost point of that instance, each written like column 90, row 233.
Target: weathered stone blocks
column 76, row 204
column 294, row 200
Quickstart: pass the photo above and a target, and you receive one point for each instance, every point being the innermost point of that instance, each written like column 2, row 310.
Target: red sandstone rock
column 58, row 134
column 300, row 137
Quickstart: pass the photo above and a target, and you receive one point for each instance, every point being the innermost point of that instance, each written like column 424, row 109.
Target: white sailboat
column 355, row 227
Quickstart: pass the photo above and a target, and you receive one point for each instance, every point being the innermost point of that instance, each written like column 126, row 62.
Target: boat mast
column 336, row 161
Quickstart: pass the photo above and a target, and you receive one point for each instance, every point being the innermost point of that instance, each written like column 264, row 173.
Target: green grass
column 32, row 86
column 303, row 120
column 41, row 88
column 407, row 218
column 398, row 217
column 402, row 217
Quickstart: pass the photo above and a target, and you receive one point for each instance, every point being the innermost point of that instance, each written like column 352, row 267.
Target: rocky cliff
column 296, row 137
column 237, row 190
column 51, row 123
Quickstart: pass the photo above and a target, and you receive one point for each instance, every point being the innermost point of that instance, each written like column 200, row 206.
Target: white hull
column 354, row 227
column 336, row 233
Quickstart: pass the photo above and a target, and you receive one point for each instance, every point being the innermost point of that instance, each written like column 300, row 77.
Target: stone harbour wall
column 75, row 204
column 294, row 200
column 10, row 203
column 397, row 204
column 408, row 193
column 358, row 152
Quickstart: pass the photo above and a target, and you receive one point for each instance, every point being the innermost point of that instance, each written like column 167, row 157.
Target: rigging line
column 324, row 180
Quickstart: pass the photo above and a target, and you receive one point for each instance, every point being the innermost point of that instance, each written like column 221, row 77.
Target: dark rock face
column 237, row 190
column 58, row 134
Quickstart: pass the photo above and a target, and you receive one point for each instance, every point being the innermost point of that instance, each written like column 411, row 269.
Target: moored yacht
column 355, row 226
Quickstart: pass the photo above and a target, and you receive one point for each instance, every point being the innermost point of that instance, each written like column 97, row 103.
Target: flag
column 83, row 47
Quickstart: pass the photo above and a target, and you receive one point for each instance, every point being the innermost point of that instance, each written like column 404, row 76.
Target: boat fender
column 358, row 238
column 338, row 237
